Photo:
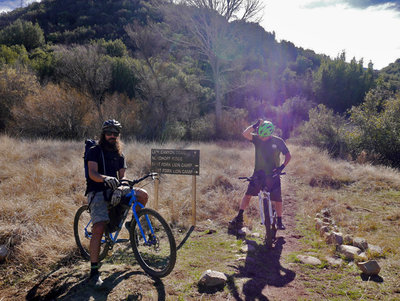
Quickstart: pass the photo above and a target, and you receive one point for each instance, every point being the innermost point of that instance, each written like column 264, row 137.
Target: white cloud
column 8, row 5
column 367, row 34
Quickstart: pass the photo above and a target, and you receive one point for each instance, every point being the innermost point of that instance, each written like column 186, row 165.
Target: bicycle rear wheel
column 274, row 226
column 153, row 243
column 83, row 234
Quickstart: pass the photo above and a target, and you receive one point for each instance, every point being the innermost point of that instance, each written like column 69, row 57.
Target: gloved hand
column 257, row 124
column 111, row 182
column 279, row 169
column 116, row 197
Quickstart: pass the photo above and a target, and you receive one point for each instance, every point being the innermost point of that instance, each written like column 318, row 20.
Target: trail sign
column 175, row 161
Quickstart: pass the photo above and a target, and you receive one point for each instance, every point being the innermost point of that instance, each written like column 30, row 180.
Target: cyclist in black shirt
column 106, row 166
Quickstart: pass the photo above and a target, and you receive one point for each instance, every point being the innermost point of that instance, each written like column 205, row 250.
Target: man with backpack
column 106, row 165
column 267, row 163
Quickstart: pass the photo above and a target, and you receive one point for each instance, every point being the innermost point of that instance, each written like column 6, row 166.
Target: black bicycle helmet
column 111, row 125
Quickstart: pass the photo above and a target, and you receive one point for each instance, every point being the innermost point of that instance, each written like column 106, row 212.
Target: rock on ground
column 3, row 252
column 348, row 251
column 309, row 259
column 212, row 278
column 334, row 261
column 369, row 268
column 360, row 243
column 375, row 250
column 335, row 238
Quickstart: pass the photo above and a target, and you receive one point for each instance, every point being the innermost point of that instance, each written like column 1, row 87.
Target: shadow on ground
column 121, row 282
column 263, row 268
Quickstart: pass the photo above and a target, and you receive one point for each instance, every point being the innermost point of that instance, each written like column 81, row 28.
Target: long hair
column 105, row 145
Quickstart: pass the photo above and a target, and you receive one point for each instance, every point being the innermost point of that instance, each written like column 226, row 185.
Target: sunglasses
column 107, row 133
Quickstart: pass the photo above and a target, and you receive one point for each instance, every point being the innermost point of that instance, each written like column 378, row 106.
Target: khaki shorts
column 98, row 207
column 273, row 187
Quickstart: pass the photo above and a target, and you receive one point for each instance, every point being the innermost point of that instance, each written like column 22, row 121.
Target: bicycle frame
column 132, row 204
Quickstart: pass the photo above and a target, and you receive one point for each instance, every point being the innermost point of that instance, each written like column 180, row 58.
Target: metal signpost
column 177, row 162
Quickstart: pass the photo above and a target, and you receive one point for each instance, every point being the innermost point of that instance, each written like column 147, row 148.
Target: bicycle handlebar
column 131, row 183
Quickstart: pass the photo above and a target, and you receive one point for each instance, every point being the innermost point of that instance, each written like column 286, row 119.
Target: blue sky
column 364, row 29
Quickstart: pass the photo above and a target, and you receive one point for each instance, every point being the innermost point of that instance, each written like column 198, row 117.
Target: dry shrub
column 125, row 110
column 15, row 85
column 232, row 124
column 328, row 182
column 55, row 111
column 203, row 128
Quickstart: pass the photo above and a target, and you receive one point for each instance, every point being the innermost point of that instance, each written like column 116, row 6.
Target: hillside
column 142, row 52
column 42, row 186
column 70, row 21
column 391, row 75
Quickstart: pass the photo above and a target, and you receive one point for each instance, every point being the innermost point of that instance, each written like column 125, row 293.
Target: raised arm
column 247, row 133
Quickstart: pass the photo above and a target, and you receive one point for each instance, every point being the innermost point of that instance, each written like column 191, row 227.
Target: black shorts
column 273, row 187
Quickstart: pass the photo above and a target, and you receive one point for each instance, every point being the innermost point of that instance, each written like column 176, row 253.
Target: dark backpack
column 88, row 144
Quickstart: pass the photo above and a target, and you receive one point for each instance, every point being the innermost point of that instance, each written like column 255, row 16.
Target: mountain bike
column 267, row 210
column 150, row 236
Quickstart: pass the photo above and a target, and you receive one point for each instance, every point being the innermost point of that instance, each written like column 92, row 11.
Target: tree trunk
column 218, row 100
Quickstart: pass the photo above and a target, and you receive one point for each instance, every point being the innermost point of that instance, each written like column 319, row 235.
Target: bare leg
column 95, row 241
column 245, row 202
column 142, row 197
column 279, row 208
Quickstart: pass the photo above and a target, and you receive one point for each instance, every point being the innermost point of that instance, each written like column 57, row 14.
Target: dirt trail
column 259, row 275
column 265, row 274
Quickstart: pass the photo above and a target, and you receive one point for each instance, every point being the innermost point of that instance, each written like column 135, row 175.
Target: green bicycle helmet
column 266, row 129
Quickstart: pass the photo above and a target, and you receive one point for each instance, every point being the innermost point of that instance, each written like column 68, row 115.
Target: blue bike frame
column 132, row 204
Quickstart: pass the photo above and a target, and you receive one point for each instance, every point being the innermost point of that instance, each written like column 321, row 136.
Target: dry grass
column 42, row 185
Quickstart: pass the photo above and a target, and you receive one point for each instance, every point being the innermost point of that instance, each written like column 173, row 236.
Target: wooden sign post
column 177, row 162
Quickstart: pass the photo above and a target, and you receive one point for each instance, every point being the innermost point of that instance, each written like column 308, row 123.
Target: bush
column 55, row 112
column 233, row 123
column 125, row 110
column 325, row 130
column 293, row 112
column 22, row 33
column 377, row 131
column 203, row 128
column 173, row 131
column 15, row 85
column 13, row 55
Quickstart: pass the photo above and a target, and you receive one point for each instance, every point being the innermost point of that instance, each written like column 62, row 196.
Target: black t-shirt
column 113, row 162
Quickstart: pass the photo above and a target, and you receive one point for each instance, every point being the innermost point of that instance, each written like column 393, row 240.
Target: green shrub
column 173, row 131
column 22, row 33
column 203, row 128
column 377, row 131
column 326, row 130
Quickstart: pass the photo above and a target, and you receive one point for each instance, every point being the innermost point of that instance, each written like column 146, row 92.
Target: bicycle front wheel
column 268, row 227
column 153, row 243
column 83, row 234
